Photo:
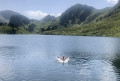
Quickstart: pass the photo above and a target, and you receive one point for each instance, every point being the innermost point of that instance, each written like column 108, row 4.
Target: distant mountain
column 46, row 23
column 76, row 20
column 76, row 14
column 118, row 4
column 2, row 19
column 18, row 21
column 6, row 14
column 48, row 18
column 84, row 20
column 34, row 20
column 97, row 15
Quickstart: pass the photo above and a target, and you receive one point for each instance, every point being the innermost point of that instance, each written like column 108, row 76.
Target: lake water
column 33, row 58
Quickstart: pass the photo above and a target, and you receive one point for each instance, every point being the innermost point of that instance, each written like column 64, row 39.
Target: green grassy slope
column 105, row 22
column 10, row 30
column 106, row 27
column 77, row 20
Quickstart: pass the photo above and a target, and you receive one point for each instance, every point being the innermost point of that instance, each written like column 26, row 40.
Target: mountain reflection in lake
column 33, row 58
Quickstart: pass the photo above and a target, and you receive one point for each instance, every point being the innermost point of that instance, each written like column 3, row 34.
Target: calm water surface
column 33, row 58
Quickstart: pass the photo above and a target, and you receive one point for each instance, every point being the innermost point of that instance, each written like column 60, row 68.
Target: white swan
column 63, row 59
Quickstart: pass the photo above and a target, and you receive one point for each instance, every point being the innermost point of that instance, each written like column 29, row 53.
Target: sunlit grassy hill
column 104, row 22
column 76, row 20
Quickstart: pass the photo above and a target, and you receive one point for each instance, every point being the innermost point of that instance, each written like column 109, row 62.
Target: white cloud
column 35, row 14
column 38, row 14
column 112, row 1
column 56, row 15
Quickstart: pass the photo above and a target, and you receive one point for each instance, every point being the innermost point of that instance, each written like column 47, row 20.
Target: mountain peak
column 48, row 18
column 118, row 4
column 76, row 14
column 81, row 5
column 6, row 14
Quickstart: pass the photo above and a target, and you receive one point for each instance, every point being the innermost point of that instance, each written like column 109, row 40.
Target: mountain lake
column 33, row 58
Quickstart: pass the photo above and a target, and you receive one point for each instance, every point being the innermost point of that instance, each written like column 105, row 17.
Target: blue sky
column 37, row 9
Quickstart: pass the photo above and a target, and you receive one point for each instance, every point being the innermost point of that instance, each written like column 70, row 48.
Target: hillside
column 75, row 14
column 118, row 4
column 6, row 14
column 104, row 22
column 48, row 18
column 76, row 20
column 12, row 22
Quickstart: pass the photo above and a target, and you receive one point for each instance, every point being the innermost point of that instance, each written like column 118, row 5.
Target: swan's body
column 62, row 60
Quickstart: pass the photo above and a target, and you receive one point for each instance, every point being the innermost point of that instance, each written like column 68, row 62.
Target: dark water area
column 33, row 58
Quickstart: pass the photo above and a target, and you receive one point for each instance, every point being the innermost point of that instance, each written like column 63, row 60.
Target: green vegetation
column 10, row 30
column 5, row 15
column 105, row 22
column 77, row 20
column 18, row 21
column 75, row 15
